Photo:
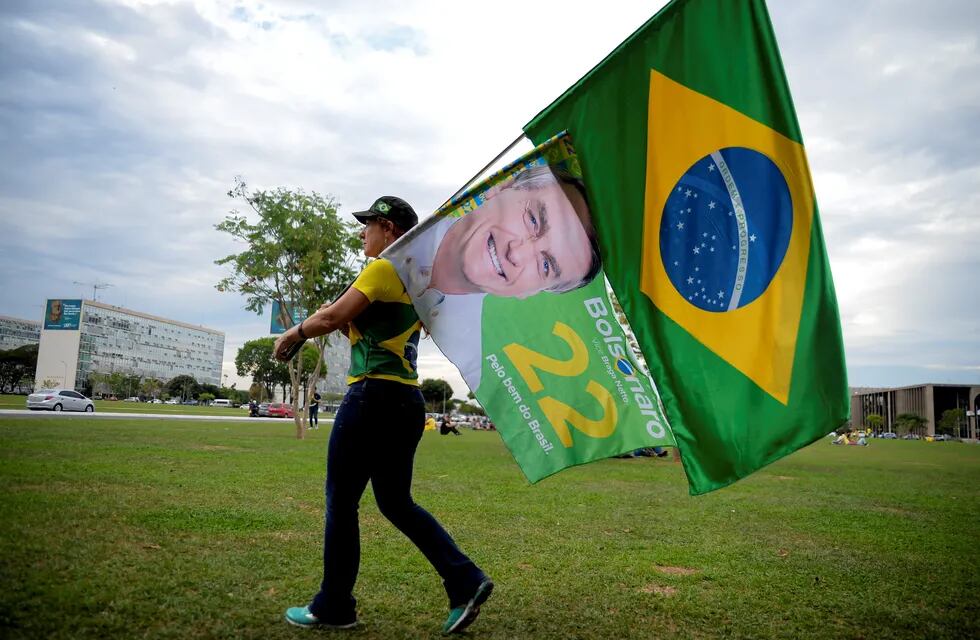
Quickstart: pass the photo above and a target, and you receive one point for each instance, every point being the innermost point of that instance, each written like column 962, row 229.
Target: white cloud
column 124, row 123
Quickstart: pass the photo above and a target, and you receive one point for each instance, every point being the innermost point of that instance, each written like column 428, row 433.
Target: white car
column 59, row 400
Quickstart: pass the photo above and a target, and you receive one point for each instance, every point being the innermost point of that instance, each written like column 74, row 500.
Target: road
column 27, row 413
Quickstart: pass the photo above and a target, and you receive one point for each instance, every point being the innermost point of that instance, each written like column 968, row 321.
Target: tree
column 99, row 383
column 951, row 421
column 255, row 359
column 874, row 421
column 17, row 364
column 257, row 391
column 151, row 388
column 437, row 393
column 298, row 252
column 205, row 397
column 184, row 387
column 471, row 409
column 118, row 384
column 907, row 423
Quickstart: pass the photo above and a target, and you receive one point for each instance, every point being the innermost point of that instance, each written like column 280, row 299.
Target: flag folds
column 705, row 214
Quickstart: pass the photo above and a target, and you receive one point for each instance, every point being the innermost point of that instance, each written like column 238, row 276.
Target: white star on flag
column 711, row 205
column 752, row 238
column 690, row 280
column 697, row 249
column 680, row 225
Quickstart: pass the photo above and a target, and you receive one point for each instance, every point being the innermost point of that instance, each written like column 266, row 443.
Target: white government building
column 79, row 337
column 17, row 332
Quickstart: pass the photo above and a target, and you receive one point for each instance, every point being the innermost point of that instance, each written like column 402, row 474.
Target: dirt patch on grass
column 784, row 477
column 659, row 589
column 675, row 571
column 309, row 507
column 48, row 487
column 289, row 535
column 217, row 447
column 893, row 511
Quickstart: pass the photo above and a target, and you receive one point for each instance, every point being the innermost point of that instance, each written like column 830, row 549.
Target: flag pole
column 424, row 225
column 480, row 172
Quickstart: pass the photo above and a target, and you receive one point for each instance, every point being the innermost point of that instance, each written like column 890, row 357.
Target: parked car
column 264, row 410
column 171, row 401
column 890, row 436
column 280, row 410
column 942, row 437
column 221, row 402
column 59, row 400
column 156, row 401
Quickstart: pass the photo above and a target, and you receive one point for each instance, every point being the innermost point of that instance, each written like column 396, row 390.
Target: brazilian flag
column 703, row 204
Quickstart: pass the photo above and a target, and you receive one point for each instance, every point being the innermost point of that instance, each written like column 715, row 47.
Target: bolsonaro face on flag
column 532, row 233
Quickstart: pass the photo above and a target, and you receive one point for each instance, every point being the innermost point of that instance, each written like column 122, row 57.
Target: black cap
column 390, row 208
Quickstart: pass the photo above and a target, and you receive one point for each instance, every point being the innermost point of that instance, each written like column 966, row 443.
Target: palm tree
column 874, row 421
column 910, row 423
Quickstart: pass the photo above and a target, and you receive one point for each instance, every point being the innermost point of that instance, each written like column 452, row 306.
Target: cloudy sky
column 124, row 122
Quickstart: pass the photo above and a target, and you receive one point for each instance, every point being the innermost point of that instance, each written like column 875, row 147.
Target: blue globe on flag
column 725, row 229
column 624, row 366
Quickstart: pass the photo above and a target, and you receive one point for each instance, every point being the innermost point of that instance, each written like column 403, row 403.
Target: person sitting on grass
column 447, row 427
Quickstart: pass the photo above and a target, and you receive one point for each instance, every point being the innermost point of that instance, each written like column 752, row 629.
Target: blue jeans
column 375, row 433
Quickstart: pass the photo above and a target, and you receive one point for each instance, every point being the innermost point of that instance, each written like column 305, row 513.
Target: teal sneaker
column 301, row 617
column 462, row 617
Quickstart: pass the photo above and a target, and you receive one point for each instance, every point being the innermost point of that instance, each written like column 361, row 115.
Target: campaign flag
column 507, row 280
column 707, row 222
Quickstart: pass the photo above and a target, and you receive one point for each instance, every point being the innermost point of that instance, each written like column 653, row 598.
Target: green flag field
column 174, row 529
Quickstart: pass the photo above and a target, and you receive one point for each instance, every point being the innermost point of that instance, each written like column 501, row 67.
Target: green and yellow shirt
column 384, row 338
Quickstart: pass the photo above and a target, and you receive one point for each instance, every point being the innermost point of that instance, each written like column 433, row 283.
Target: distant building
column 926, row 400
column 81, row 337
column 336, row 362
column 16, row 332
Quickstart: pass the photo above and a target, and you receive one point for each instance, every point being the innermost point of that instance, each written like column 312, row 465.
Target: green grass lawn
column 160, row 529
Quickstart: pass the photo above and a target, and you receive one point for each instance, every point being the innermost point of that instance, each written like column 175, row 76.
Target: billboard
column 60, row 314
column 276, row 326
